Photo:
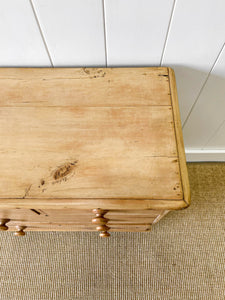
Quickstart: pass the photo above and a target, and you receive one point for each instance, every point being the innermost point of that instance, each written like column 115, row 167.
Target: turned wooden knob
column 104, row 234
column 20, row 231
column 3, row 227
column 102, row 228
column 101, row 222
column 99, row 212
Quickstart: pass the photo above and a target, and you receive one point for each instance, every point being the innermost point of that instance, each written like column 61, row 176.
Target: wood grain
column 57, row 227
column 90, row 138
column 64, row 203
column 80, row 87
column 76, row 216
column 57, row 149
column 179, row 139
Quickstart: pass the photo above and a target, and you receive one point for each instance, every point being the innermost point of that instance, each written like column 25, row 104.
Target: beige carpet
column 182, row 258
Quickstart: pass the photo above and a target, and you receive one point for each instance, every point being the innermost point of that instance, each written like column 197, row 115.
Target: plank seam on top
column 124, row 198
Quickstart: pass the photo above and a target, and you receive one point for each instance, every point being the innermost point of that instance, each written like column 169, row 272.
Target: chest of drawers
column 89, row 149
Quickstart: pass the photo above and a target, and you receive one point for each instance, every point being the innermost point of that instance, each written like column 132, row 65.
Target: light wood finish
column 72, row 164
column 49, row 203
column 3, row 226
column 84, row 87
column 83, row 146
column 20, row 231
column 99, row 212
column 76, row 219
column 102, row 228
column 160, row 216
column 132, row 150
column 104, row 234
column 179, row 138
column 74, row 215
column 101, row 222
column 109, row 223
column 85, row 227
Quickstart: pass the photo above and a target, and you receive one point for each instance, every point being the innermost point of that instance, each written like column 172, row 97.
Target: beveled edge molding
column 64, row 203
column 179, row 139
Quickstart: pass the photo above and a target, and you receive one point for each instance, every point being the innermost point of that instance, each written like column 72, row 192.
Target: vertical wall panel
column 136, row 31
column 20, row 39
column 218, row 140
column 74, row 31
column 209, row 111
column 195, row 39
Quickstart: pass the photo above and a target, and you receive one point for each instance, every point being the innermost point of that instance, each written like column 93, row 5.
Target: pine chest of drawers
column 89, row 149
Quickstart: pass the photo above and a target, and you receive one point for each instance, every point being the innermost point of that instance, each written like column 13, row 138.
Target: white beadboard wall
column 21, row 43
column 136, row 31
column 187, row 35
column 73, row 31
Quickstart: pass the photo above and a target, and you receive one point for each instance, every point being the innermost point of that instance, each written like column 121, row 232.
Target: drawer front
column 85, row 227
column 79, row 220
column 77, row 216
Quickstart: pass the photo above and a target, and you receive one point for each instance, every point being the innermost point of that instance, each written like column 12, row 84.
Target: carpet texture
column 181, row 258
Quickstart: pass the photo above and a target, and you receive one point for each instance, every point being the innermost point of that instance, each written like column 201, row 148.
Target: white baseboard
column 194, row 155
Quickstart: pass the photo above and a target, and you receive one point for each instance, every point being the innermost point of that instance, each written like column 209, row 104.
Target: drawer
column 79, row 220
column 85, row 227
column 110, row 142
column 77, row 216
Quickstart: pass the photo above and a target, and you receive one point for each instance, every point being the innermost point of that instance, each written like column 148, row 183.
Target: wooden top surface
column 90, row 134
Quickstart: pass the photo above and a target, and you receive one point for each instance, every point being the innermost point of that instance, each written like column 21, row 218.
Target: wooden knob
column 101, row 222
column 104, row 234
column 102, row 228
column 99, row 212
column 20, row 231
column 3, row 227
